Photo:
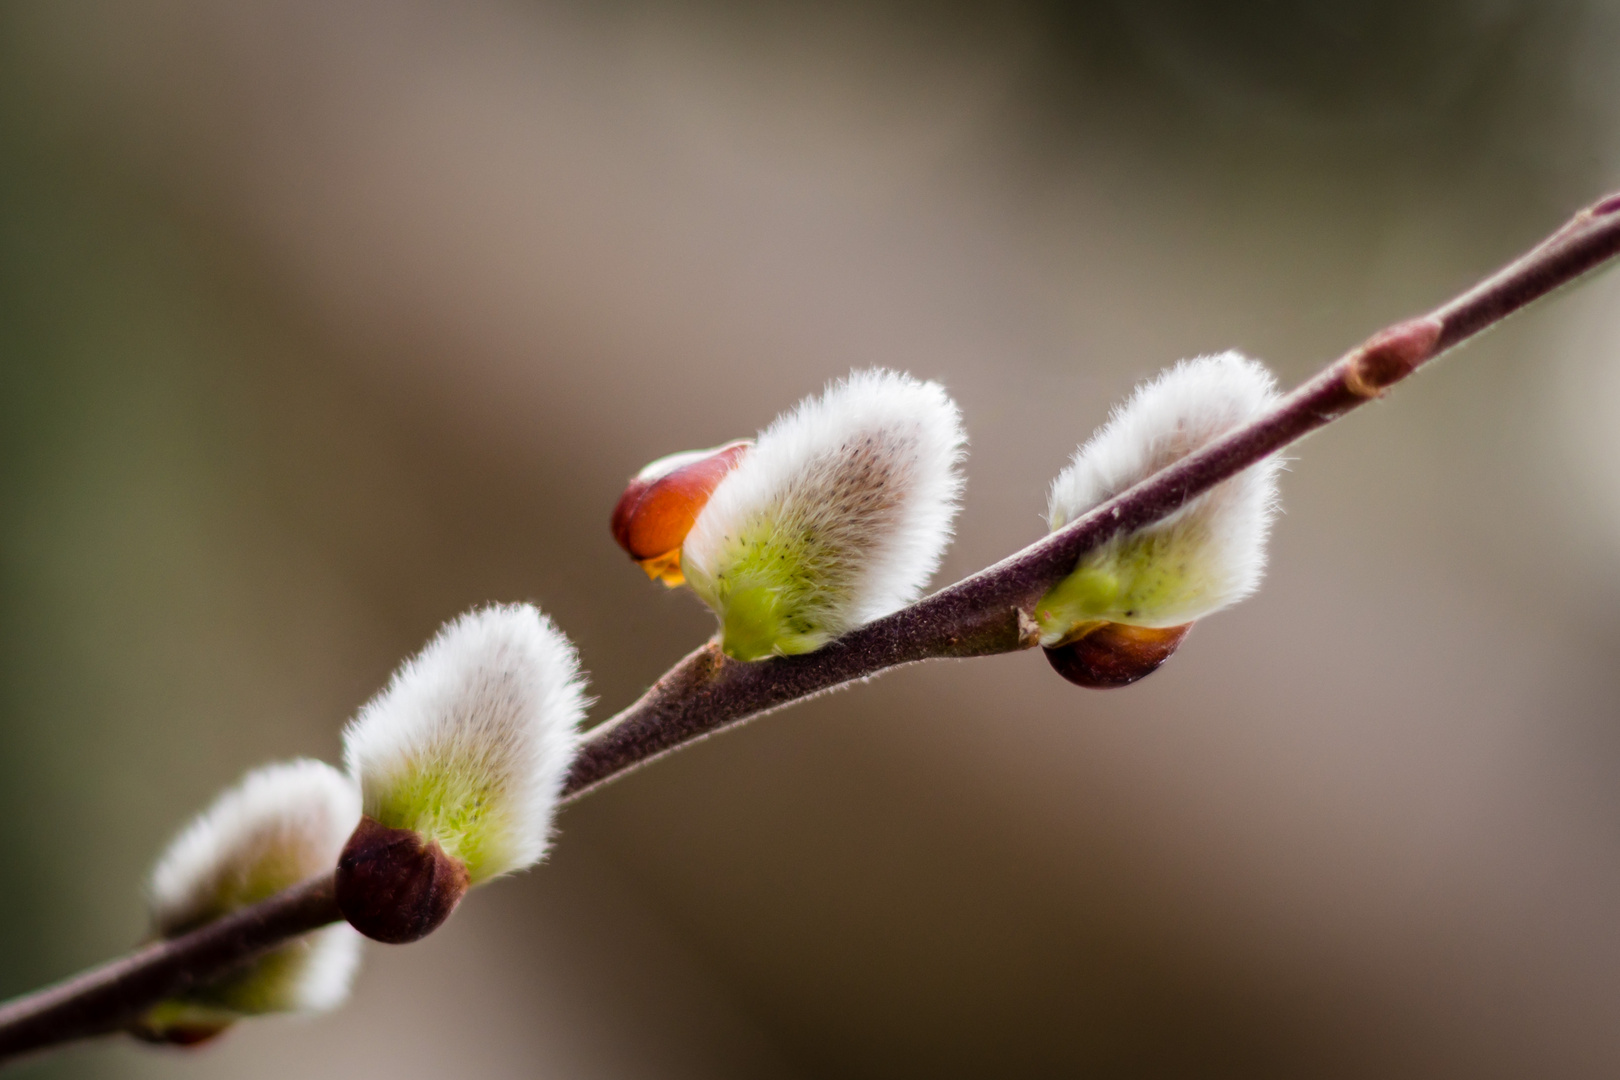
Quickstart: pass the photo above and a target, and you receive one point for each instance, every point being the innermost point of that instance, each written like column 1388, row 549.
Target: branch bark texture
column 982, row 615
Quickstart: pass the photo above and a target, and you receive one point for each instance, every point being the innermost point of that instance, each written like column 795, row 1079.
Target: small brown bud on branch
column 395, row 887
column 1115, row 654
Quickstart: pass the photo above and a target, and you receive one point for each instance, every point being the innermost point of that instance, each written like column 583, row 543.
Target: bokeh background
column 323, row 321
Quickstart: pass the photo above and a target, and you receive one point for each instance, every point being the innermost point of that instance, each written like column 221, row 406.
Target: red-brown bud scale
column 660, row 505
column 182, row 1034
column 395, row 887
column 1115, row 654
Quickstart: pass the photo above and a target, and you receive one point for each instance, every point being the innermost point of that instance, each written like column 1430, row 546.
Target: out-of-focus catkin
column 281, row 825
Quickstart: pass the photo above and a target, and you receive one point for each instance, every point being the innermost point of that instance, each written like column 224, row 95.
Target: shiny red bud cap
column 663, row 501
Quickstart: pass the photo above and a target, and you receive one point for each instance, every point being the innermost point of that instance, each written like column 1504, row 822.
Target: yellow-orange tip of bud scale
column 663, row 500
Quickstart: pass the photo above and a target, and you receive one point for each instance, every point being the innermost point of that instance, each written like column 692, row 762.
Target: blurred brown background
column 321, row 322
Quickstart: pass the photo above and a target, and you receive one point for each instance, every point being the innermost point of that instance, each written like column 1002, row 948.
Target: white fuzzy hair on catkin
column 871, row 471
column 281, row 825
column 1185, row 408
column 493, row 703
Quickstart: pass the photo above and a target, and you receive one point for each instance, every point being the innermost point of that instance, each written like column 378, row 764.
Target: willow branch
column 110, row 997
column 982, row 615
column 988, row 613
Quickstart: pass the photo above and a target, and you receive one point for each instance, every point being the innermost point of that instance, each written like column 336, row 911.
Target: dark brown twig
column 981, row 615
column 984, row 614
column 110, row 997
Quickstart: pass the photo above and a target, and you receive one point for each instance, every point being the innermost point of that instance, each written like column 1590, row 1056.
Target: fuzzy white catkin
column 1221, row 535
column 470, row 742
column 281, row 825
column 855, row 491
